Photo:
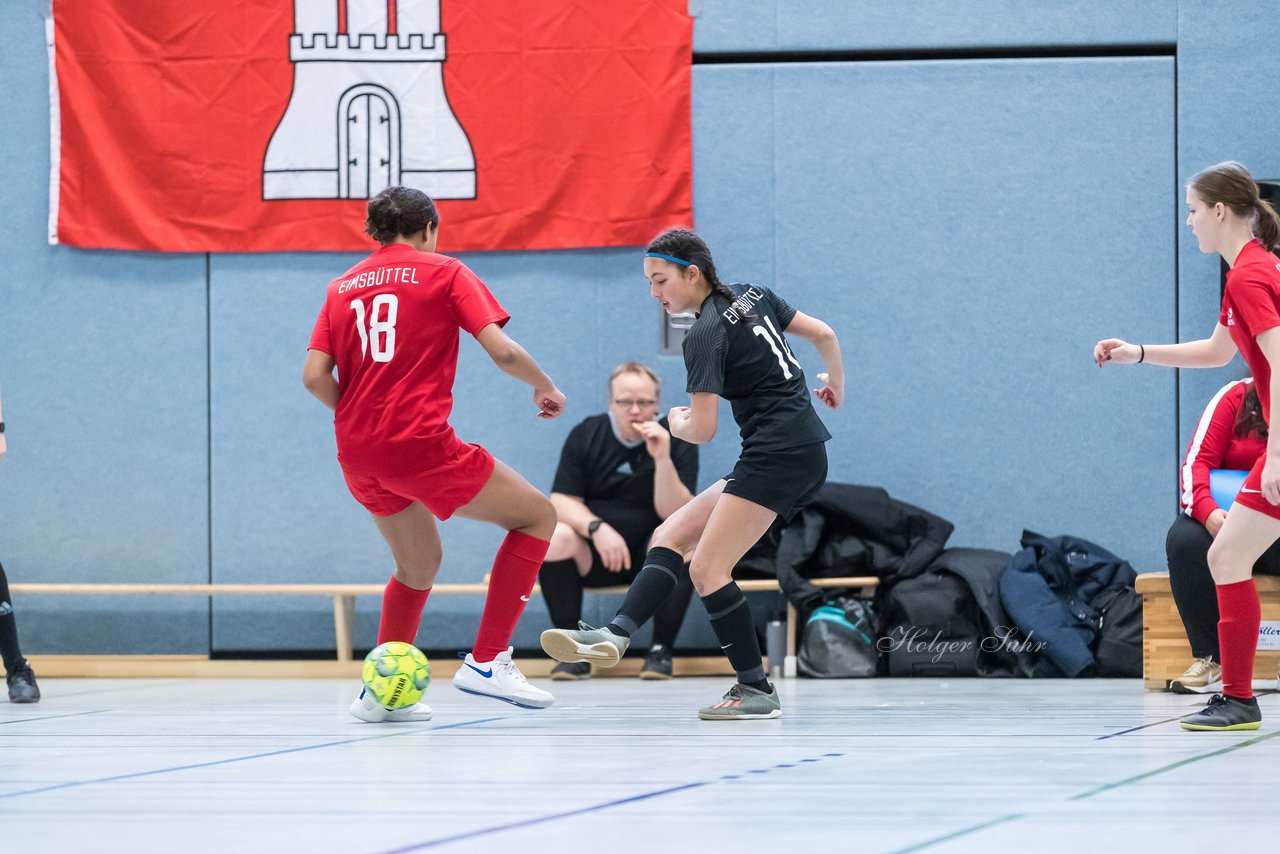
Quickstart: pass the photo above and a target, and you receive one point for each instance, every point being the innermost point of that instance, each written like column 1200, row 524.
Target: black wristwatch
column 592, row 527
column 1, row 426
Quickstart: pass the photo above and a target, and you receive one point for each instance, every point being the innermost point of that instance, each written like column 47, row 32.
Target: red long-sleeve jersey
column 1215, row 445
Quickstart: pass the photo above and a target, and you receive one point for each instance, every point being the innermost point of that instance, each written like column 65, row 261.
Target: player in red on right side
column 1227, row 216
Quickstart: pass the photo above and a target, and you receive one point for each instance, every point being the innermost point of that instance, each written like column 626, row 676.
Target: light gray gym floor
column 620, row 765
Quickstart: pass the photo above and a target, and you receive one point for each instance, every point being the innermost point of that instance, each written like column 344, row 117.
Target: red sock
column 401, row 612
column 515, row 570
column 1240, row 614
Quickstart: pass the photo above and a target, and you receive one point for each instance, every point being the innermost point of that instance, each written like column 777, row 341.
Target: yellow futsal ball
column 396, row 674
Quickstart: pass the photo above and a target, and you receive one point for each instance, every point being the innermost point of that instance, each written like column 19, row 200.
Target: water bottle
column 776, row 647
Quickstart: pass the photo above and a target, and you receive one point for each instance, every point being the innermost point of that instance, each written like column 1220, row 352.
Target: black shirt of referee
column 615, row 479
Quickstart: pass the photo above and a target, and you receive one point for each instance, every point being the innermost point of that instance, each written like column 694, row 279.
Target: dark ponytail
column 398, row 212
column 684, row 244
column 1249, row 419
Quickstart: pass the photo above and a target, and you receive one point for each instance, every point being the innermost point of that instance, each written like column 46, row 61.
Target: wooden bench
column 343, row 596
column 1165, row 650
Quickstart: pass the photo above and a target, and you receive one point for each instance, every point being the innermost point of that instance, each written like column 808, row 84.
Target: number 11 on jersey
column 380, row 339
column 770, row 336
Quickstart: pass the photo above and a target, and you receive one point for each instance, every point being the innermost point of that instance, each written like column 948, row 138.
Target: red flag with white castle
column 264, row 125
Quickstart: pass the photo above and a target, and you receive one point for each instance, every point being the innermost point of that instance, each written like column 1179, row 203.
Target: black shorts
column 601, row 576
column 783, row 481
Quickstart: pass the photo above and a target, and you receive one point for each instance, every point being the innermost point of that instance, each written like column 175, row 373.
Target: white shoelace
column 509, row 666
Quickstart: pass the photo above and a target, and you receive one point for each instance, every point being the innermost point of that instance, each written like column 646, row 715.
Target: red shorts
column 1250, row 494
column 442, row 489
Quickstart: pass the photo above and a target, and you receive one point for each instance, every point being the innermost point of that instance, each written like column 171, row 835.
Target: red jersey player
column 390, row 326
column 1224, row 211
column 1231, row 434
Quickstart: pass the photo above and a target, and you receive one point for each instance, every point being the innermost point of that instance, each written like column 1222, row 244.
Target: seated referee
column 620, row 474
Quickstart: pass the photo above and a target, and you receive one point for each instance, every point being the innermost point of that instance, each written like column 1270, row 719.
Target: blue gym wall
column 970, row 225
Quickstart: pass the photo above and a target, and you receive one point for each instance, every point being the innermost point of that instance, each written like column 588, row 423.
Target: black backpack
column 947, row 620
column 929, row 627
column 839, row 641
column 1118, row 618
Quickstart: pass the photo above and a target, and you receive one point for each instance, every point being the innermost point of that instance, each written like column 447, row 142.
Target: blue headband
column 671, row 258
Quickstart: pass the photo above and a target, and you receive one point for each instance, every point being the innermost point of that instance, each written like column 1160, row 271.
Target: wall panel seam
column 927, row 54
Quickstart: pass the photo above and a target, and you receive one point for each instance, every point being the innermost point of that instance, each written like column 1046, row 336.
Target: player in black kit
column 736, row 350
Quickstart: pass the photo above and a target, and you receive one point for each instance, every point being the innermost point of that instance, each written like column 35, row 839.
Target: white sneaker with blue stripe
column 500, row 679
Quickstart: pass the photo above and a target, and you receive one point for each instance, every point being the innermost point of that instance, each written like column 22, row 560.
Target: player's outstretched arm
column 317, row 376
column 1212, row 352
column 824, row 340
column 515, row 361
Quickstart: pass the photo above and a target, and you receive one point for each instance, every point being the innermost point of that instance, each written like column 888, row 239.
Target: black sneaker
column 571, row 671
column 657, row 663
column 22, row 685
column 1225, row 713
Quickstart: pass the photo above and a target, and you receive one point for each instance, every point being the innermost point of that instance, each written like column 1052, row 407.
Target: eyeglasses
column 627, row 403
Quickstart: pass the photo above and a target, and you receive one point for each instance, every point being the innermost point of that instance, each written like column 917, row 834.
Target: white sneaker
column 371, row 711
column 585, row 644
column 500, row 679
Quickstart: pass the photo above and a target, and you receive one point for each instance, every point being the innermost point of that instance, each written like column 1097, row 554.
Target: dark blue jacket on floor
column 1047, row 590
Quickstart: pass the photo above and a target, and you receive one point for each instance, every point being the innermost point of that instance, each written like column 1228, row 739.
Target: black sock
column 562, row 591
column 731, row 619
column 653, row 584
column 670, row 614
column 8, row 629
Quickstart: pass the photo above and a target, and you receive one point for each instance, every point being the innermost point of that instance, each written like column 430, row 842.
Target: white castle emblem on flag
column 368, row 109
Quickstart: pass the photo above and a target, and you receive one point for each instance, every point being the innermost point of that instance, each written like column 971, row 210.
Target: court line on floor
column 929, row 843
column 111, row 689
column 234, row 759
column 644, row 796
column 957, row 834
column 1181, row 762
column 53, row 717
column 473, row 834
column 1136, row 728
